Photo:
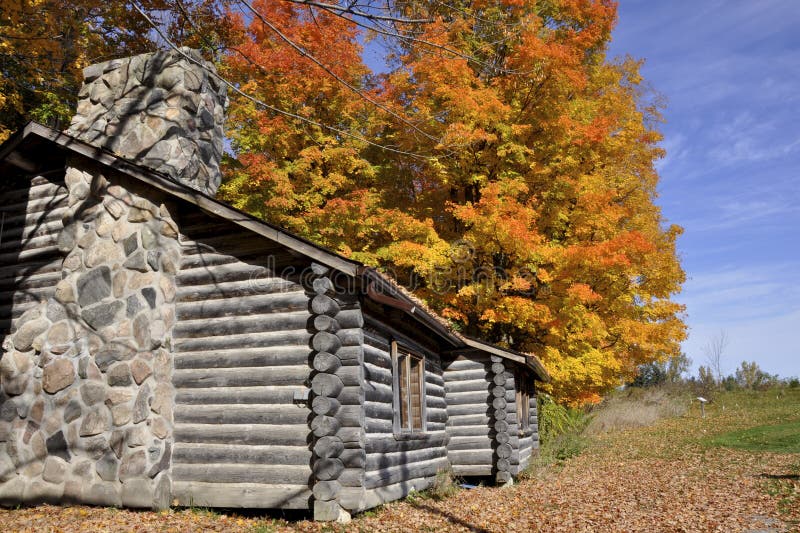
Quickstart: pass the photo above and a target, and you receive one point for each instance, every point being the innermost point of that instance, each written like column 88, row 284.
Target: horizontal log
column 378, row 392
column 352, row 437
column 350, row 318
column 328, row 446
column 31, row 242
column 476, row 374
column 324, row 426
column 241, row 495
column 243, row 306
column 392, row 444
column 376, row 374
column 377, row 425
column 254, row 323
column 35, row 280
column 323, row 341
column 498, row 368
column 353, row 458
column 462, row 364
column 468, row 431
column 377, row 357
column 408, row 458
column 470, row 443
column 322, row 405
column 350, row 336
column 291, row 355
column 44, row 254
column 323, row 286
column 238, row 395
column 325, row 323
column 473, row 470
column 351, row 477
column 474, row 385
column 40, row 201
column 277, row 435
column 270, row 339
column 234, row 289
column 327, row 468
column 350, row 355
column 241, row 377
column 469, row 398
column 192, row 453
column 326, row 384
column 224, row 473
column 242, row 414
column 326, row 490
column 196, row 272
column 22, row 269
column 476, row 419
column 34, row 218
column 471, row 457
column 396, row 474
column 469, row 410
column 324, row 305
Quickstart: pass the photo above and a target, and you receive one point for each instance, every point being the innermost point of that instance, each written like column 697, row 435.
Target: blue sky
column 730, row 72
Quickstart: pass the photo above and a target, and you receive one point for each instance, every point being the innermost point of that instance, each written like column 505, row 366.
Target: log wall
column 470, row 415
column 396, row 464
column 242, row 364
column 30, row 263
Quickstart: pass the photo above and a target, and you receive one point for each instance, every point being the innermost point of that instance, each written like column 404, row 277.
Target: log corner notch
column 502, row 437
column 337, row 402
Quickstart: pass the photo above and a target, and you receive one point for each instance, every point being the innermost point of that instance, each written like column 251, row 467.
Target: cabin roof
column 30, row 149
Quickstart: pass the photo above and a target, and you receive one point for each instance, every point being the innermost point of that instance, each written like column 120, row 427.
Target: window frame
column 402, row 357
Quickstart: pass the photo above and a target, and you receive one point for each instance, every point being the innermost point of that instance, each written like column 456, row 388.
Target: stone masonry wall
column 160, row 110
column 91, row 367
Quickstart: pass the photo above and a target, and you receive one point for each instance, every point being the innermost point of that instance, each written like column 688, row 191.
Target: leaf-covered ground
column 668, row 477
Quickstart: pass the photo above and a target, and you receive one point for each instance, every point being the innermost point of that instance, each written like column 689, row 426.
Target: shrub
column 445, row 485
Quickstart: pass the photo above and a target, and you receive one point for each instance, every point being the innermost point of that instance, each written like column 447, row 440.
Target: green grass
column 778, row 438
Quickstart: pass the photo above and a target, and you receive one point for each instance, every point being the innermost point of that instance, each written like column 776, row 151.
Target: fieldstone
column 154, row 451
column 154, row 259
column 58, row 375
column 37, row 410
column 160, row 427
column 137, row 261
column 38, row 445
column 130, row 244
column 115, row 207
column 95, row 422
column 94, row 285
column 73, row 261
column 132, row 306
column 107, row 467
column 149, row 294
column 113, row 352
column 140, row 279
column 54, row 469
column 167, row 288
column 73, row 491
column 72, row 411
column 117, row 396
column 119, row 375
column 104, row 251
column 93, row 392
column 124, row 328
column 105, row 226
column 141, row 331
column 38, row 492
column 149, row 238
column 162, row 367
column 27, row 333
column 56, row 446
column 106, row 493
column 8, row 412
column 30, row 429
column 121, row 414
column 119, row 230
column 88, row 238
column 82, row 468
column 162, row 399
column 136, row 436
column 101, row 315
column 67, row 238
column 7, row 469
column 59, row 337
column 52, row 423
column 133, row 465
column 15, row 386
column 11, row 490
column 137, row 493
column 117, row 442
column 169, row 229
column 139, row 213
column 141, row 408
column 55, row 311
column 140, row 370
column 120, row 278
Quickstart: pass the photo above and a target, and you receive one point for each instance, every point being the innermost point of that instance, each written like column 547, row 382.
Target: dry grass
column 635, row 407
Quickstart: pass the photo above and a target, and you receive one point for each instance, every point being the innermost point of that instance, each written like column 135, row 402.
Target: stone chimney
column 159, row 110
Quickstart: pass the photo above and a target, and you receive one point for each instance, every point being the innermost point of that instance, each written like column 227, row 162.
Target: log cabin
column 160, row 346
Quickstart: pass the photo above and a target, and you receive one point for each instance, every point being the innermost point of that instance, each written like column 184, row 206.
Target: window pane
column 402, row 367
column 416, row 392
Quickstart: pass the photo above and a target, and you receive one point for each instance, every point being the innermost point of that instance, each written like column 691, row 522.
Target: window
column 523, row 400
column 409, row 385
